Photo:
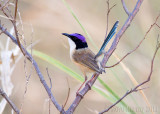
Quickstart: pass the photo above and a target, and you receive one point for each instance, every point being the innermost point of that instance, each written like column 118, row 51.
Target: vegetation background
column 50, row 18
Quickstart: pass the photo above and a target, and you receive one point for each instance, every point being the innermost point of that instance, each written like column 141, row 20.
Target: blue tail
column 110, row 35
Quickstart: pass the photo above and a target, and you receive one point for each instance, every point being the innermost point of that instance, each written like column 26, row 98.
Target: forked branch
column 155, row 23
column 135, row 89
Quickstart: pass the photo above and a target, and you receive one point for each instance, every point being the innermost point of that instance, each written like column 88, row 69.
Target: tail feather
column 110, row 35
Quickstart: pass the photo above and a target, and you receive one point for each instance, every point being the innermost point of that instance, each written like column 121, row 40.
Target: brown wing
column 86, row 58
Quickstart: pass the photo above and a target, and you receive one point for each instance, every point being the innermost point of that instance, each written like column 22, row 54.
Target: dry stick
column 108, row 11
column 4, row 5
column 30, row 58
column 15, row 12
column 26, row 86
column 135, row 89
column 125, row 8
column 4, row 95
column 155, row 23
column 13, row 21
column 105, row 59
column 67, row 94
column 15, row 27
column 25, row 64
column 50, row 80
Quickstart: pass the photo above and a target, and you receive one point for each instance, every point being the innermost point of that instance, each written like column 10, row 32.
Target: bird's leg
column 77, row 93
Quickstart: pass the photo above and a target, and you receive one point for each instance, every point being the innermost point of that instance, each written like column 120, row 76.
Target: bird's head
column 76, row 40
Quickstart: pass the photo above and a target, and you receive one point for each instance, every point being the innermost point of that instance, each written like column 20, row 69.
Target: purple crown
column 79, row 36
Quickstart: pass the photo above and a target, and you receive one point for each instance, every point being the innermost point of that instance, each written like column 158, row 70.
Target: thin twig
column 50, row 80
column 108, row 12
column 125, row 8
column 4, row 5
column 155, row 23
column 15, row 27
column 4, row 95
column 27, row 79
column 13, row 21
column 135, row 89
column 67, row 94
column 15, row 12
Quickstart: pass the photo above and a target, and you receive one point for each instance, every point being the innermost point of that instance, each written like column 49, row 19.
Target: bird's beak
column 65, row 34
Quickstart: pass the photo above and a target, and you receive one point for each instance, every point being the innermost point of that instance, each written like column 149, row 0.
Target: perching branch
column 155, row 23
column 4, row 95
column 135, row 89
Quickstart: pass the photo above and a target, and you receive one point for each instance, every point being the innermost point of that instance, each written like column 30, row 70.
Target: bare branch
column 5, row 4
column 135, row 89
column 15, row 12
column 13, row 21
column 108, row 12
column 50, row 80
column 4, row 95
column 68, row 94
column 30, row 58
column 155, row 23
column 125, row 8
column 16, row 33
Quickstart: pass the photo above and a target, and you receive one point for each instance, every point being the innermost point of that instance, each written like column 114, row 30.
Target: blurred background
column 45, row 20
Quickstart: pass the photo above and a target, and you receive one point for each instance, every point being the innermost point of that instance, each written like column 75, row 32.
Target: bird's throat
column 72, row 46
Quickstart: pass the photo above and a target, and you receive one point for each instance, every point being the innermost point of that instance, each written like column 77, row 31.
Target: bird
column 83, row 57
